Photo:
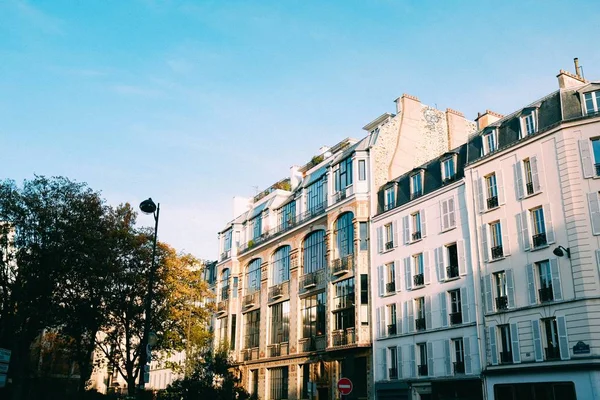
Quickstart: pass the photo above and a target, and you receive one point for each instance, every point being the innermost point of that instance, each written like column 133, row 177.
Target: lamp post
column 148, row 207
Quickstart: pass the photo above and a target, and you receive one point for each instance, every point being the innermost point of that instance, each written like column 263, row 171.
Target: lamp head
column 558, row 252
column 148, row 206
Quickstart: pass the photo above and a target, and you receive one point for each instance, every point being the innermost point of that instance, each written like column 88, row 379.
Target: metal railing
column 506, row 357
column 552, row 353
column 291, row 222
column 342, row 265
column 492, row 202
column 420, row 324
column 497, row 252
column 344, row 301
column 416, row 235
column 502, row 303
column 251, row 300
column 391, row 329
column 279, row 291
column 414, row 195
column 540, row 240
column 390, row 287
column 393, row 373
column 449, row 179
column 422, row 369
column 339, row 196
column 222, row 306
column 250, row 354
column 452, row 271
column 278, row 349
column 597, row 166
column 546, row 294
column 529, row 188
column 456, row 318
column 459, row 367
column 226, row 254
column 389, row 245
column 225, row 292
column 313, row 343
column 343, row 337
column 418, row 280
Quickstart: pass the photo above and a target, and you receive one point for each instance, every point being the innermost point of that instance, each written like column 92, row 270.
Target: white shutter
column 535, row 174
column 399, row 361
column 467, row 355
column 380, row 239
column 395, row 233
column 406, row 229
column 413, row 368
column 411, row 317
column 439, row 263
column 445, row 217
column 383, row 321
column 598, row 260
column 505, row 237
column 447, row 359
column 423, row 216
column 563, row 340
column 594, row 212
column 462, row 260
column 452, row 212
column 406, row 322
column 478, row 185
column 510, row 288
column 430, row 370
column 519, row 179
column 426, row 268
column 489, row 301
column 399, row 318
column 587, row 164
column 380, row 281
column 500, row 187
column 523, row 228
column 537, row 340
column 407, row 273
column 428, row 323
column 398, row 275
column 484, row 243
column 493, row 346
column 465, row 306
column 531, row 284
column 555, row 272
column 378, row 320
column 443, row 311
column 548, row 224
column 514, row 337
column 383, row 363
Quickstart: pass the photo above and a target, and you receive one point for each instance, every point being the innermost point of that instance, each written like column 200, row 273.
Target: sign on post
column 344, row 386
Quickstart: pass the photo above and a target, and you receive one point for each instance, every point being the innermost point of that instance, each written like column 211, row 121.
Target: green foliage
column 250, row 243
column 317, row 159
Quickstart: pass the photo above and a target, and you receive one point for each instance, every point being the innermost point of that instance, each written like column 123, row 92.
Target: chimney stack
column 577, row 69
column 295, row 177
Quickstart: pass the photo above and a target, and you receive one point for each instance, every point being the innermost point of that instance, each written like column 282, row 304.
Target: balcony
column 312, row 280
column 539, row 240
column 313, row 212
column 452, row 271
column 225, row 293
column 343, row 265
column 223, row 306
column 449, row 179
column 506, row 357
column 389, row 245
column 284, row 227
column 225, row 255
column 313, row 343
column 390, row 287
column 279, row 291
column 597, row 166
column 250, row 354
column 420, row 324
column 391, row 329
column 456, row 318
column 251, row 300
column 393, row 373
column 552, row 353
column 492, row 202
column 344, row 301
column 422, row 369
column 546, row 294
column 497, row 252
column 502, row 303
column 418, row 280
column 343, row 337
column 529, row 188
column 278, row 349
column 416, row 236
column 459, row 367
column 339, row 196
column 416, row 194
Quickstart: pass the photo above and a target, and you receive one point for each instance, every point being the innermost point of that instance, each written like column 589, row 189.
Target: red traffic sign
column 344, row 386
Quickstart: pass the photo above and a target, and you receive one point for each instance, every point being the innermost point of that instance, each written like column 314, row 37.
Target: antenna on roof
column 578, row 69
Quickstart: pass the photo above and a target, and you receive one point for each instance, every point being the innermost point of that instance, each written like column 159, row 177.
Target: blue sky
column 194, row 102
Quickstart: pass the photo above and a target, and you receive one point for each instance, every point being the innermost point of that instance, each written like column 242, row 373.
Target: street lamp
column 148, row 207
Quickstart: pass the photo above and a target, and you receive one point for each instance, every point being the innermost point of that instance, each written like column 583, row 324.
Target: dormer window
column 416, row 185
column 592, row 102
column 389, row 198
column 528, row 124
column 490, row 142
column 343, row 175
column 449, row 169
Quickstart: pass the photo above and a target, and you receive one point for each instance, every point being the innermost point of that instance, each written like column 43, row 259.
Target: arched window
column 280, row 271
column 314, row 251
column 253, row 276
column 344, row 235
column 225, row 284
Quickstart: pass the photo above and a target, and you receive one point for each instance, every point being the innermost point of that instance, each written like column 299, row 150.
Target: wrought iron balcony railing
column 452, row 271
column 389, row 245
column 251, row 300
column 418, row 280
column 393, row 373
column 342, row 265
column 422, row 369
column 492, row 202
column 343, row 337
column 502, row 303
column 597, row 166
column 278, row 291
column 540, row 240
column 420, row 324
column 546, row 294
column 225, row 255
column 529, row 187
column 391, row 329
column 552, row 353
column 506, row 357
column 456, row 318
column 416, row 194
column 459, row 367
column 416, row 235
column 390, row 287
column 497, row 252
column 222, row 306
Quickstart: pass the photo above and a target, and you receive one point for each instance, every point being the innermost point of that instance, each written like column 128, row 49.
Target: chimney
column 577, row 70
column 487, row 118
column 567, row 80
column 458, row 130
column 398, row 102
column 295, row 177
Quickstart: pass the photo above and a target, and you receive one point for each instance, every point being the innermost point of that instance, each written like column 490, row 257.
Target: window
column 286, row 216
column 344, row 294
column 496, row 240
column 391, row 319
column 452, row 255
column 364, row 235
column 491, row 191
column 539, row 228
column 313, row 316
column 390, row 198
column 596, row 151
column 280, row 270
column 501, row 290
column 541, row 390
column 420, row 314
column 279, row 383
column 225, row 284
column 422, row 349
column 389, row 236
column 344, row 235
column 315, row 197
column 362, row 170
column 314, row 251
column 418, row 278
column 223, row 329
column 528, row 176
column 343, row 175
column 390, row 279
column 455, row 307
column 234, row 290
column 592, row 102
column 489, row 142
column 233, row 331
column 304, row 381
column 459, row 356
column 256, row 224
column 416, row 185
column 551, row 338
column 505, row 344
column 253, row 276
column 416, row 226
column 364, row 289
column 227, row 241
column 448, row 169
column 448, row 213
column 280, row 322
column 393, row 370
column 254, row 382
column 545, row 274
column 252, row 329
column 528, row 125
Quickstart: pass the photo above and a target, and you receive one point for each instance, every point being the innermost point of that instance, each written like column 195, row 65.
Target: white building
column 534, row 190
column 426, row 343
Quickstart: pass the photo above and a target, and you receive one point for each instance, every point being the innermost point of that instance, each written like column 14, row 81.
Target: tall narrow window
column 280, row 322
column 315, row 197
column 448, row 169
column 459, row 356
column 452, row 269
column 422, row 347
column 496, row 240
column 364, row 235
column 314, row 251
column 545, row 274
column 227, row 240
column 254, row 382
column 491, row 191
column 286, row 216
column 418, row 278
column 539, row 229
column 505, row 344
column 279, row 383
column 389, row 236
column 313, row 316
column 343, row 175
column 528, row 122
column 528, row 176
column 256, row 224
column 362, row 170
column 592, row 102
column 420, row 314
column 416, row 226
column 501, row 290
column 223, row 329
column 344, row 235
column 455, row 307
column 280, row 270
column 253, row 276
column 393, row 370
column 416, row 185
column 391, row 319
column 344, row 304
column 390, row 278
column 489, row 142
column 225, row 284
column 252, row 329
column 233, row 331
column 551, row 336
column 596, row 151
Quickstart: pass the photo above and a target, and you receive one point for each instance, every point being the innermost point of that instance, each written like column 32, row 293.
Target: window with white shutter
column 594, row 207
column 585, row 152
